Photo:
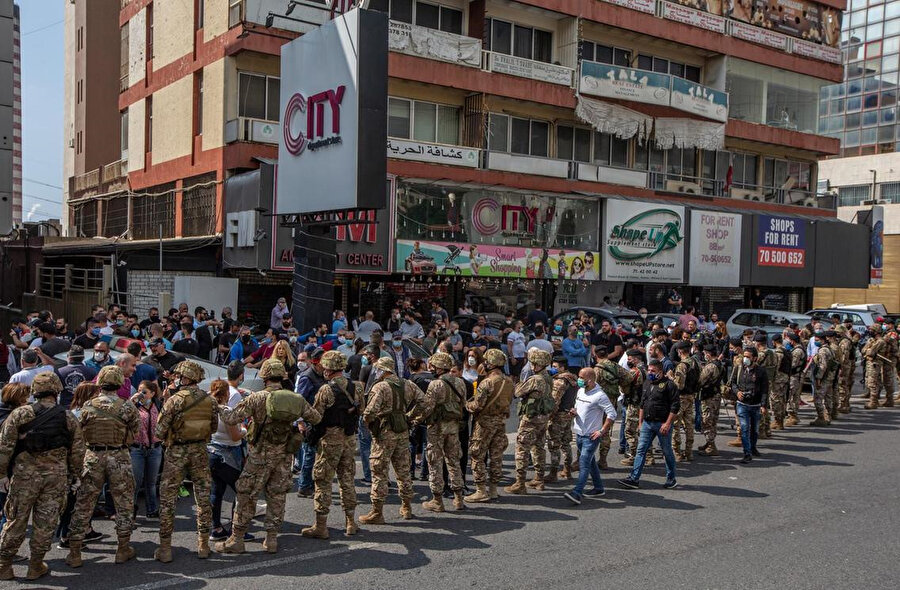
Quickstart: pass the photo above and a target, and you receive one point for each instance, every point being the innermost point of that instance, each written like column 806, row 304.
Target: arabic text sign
column 781, row 242
column 696, row 18
column 648, row 6
column 715, row 249
column 758, row 35
column 527, row 68
column 428, row 152
column 643, row 242
column 699, row 99
column 624, row 83
column 460, row 259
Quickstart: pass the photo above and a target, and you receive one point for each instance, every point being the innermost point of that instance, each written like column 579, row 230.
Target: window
column 573, row 143
column 854, row 195
column 123, row 134
column 605, row 54
column 235, row 8
column 890, row 192
column 79, row 39
column 198, row 123
column 78, row 88
column 681, row 164
column 148, row 132
column 518, row 136
column 525, row 42
column 423, row 121
column 438, row 17
column 258, row 96
column 746, row 319
column 665, row 66
column 78, row 142
column 609, row 150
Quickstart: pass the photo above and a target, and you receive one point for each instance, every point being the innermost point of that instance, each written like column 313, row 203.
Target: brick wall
column 144, row 287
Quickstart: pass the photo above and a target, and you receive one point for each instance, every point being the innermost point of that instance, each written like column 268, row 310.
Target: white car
column 768, row 320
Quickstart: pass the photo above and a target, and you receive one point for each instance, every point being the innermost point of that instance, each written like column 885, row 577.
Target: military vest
column 343, row 413
column 49, row 430
column 106, row 426
column 500, row 398
column 450, row 410
column 192, row 421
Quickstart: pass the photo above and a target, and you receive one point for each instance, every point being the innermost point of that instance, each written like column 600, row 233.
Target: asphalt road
column 818, row 510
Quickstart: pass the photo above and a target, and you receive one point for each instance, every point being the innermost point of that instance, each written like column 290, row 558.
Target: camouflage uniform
column 798, row 362
column 109, row 425
column 769, row 363
column 710, row 377
column 632, row 413
column 535, row 398
column 889, row 367
column 824, row 380
column 684, row 420
column 847, row 369
column 559, row 429
column 185, row 455
column 610, row 377
column 873, row 350
column 778, row 389
column 835, row 399
column 37, row 487
column 490, row 409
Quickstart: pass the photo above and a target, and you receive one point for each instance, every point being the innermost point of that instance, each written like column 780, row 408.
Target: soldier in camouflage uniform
column 109, row 425
column 274, row 438
column 795, row 383
column 779, row 386
column 768, row 363
column 736, row 346
column 612, row 379
column 559, row 429
column 873, row 352
column 710, row 399
column 823, row 379
column 833, row 343
column 686, row 391
column 385, row 414
column 632, row 403
column 49, row 448
column 490, row 409
column 535, row 405
column 187, row 420
column 340, row 403
column 889, row 367
column 441, row 409
column 848, row 365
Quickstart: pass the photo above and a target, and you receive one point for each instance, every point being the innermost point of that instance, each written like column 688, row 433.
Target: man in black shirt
column 659, row 406
column 152, row 319
column 165, row 359
column 90, row 337
column 606, row 337
column 751, row 386
column 537, row 316
column 73, row 374
column 51, row 344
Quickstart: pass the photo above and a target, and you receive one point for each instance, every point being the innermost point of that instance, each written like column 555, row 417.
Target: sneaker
column 305, row 492
column 630, row 483
column 218, row 535
column 63, row 544
column 595, row 493
column 670, row 483
column 92, row 535
column 755, row 453
column 153, row 515
column 747, row 459
column 573, row 498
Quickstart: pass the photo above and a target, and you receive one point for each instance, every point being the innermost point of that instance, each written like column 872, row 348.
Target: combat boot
column 517, row 488
column 872, row 403
column 551, row 476
column 565, row 473
column 536, row 484
column 6, row 570
column 351, row 529
column 318, row 530
column 735, row 442
column 458, row 500
column 820, row 420
column 492, row 491
column 888, row 402
column 709, row 451
column 436, row 504
column 792, row 421
column 163, row 553
column 479, row 495
column 124, row 551
column 679, row 457
column 777, row 425
column 406, row 508
column 233, row 544
column 844, row 408
column 73, row 559
column 627, row 461
column 688, row 456
column 36, row 567
column 602, row 464
column 202, row 546
column 270, row 543
column 375, row 515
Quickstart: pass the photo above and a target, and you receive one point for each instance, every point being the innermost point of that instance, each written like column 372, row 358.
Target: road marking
column 239, row 569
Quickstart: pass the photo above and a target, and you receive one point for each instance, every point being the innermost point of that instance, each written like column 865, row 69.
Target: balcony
column 255, row 130
column 104, row 180
column 257, row 11
column 502, row 63
column 521, row 164
column 429, row 43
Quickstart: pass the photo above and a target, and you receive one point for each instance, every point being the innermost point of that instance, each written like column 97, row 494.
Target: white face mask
column 472, row 361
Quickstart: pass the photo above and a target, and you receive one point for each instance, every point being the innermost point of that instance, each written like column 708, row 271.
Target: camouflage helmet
column 441, row 360
column 385, row 364
column 272, row 369
column 46, row 383
column 333, row 361
column 495, row 357
column 841, row 330
column 189, row 369
column 110, row 376
column 875, row 329
column 539, row 358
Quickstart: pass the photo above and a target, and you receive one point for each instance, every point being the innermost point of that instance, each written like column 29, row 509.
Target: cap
column 76, row 352
column 634, row 352
column 385, row 364
column 601, row 350
column 777, row 338
column 334, row 361
column 792, row 336
column 316, row 354
column 761, row 338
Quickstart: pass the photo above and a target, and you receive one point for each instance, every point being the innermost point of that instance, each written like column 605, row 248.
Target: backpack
column 608, row 380
column 396, row 420
column 451, row 409
column 693, row 377
column 49, row 430
column 283, row 408
column 784, row 366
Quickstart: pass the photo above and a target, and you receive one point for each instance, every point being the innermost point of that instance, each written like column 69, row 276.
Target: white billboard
column 643, row 242
column 715, row 249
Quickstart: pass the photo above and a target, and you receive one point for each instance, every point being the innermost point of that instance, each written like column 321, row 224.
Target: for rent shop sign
column 781, row 242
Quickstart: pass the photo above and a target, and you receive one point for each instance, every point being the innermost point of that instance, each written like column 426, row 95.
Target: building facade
column 10, row 118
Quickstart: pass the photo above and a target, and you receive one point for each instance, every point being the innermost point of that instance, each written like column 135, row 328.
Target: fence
column 69, row 292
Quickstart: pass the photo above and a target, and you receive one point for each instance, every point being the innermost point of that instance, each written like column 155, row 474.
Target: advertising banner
column 423, row 258
column 643, row 242
column 700, row 100
column 527, row 68
column 695, row 18
column 403, row 149
column 781, row 242
column 876, row 247
column 624, row 83
column 715, row 249
column 648, row 6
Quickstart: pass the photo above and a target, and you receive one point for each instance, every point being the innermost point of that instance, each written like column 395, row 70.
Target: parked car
column 621, row 320
column 666, row 318
column 861, row 318
column 769, row 321
column 466, row 321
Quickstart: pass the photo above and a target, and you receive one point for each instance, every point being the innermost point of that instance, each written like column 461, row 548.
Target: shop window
column 258, row 96
column 518, row 40
column 517, row 135
column 423, row 121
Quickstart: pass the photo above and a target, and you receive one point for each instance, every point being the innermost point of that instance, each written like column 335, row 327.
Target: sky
column 42, row 107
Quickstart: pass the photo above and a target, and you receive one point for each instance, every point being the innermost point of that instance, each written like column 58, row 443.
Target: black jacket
column 659, row 399
column 754, row 383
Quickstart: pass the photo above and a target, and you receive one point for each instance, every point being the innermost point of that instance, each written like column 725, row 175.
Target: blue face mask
column 135, row 333
column 364, row 361
column 553, row 370
column 95, row 331
column 580, row 382
column 788, row 346
column 651, row 376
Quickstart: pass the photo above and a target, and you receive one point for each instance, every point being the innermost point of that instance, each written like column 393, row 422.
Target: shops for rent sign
column 781, row 242
column 715, row 249
column 643, row 242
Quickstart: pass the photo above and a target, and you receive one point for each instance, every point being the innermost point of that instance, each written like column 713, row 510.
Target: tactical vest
column 539, row 404
column 106, row 426
column 567, row 400
column 768, row 363
column 396, row 420
column 799, row 368
column 710, row 390
column 692, row 378
column 633, row 395
column 608, row 378
column 192, row 421
column 49, row 430
column 450, row 410
column 784, row 365
column 343, row 413
column 499, row 401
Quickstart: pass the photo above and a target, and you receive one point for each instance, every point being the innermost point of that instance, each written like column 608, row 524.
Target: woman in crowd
column 13, row 396
column 80, row 396
column 282, row 352
column 266, row 349
column 226, row 457
column 472, row 367
column 146, row 454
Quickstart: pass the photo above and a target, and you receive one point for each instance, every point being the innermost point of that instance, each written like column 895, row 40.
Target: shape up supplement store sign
column 643, row 242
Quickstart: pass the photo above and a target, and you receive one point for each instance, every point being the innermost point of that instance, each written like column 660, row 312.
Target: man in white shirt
column 590, row 426
column 541, row 343
column 31, row 366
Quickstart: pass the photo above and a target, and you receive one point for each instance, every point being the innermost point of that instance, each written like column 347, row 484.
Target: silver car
column 769, row 321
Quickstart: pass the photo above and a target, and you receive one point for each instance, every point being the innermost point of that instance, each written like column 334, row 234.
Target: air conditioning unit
column 746, row 194
column 688, row 188
column 809, row 202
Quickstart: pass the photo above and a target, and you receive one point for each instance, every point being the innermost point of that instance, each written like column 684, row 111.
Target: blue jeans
column 748, row 416
column 623, row 444
column 364, row 438
column 587, row 463
column 649, row 431
column 224, row 476
column 698, row 415
column 145, row 466
column 306, row 466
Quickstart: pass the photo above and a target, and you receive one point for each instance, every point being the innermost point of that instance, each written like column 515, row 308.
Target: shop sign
column 798, row 18
column 758, row 35
column 715, row 249
column 700, row 100
column 456, row 259
column 781, row 242
column 876, row 246
column 610, row 81
column 528, row 68
column 643, row 242
column 418, row 151
column 820, row 52
column 648, row 6
column 433, row 44
column 695, row 18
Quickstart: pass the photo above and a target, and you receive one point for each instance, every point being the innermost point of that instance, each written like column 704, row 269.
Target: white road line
column 248, row 567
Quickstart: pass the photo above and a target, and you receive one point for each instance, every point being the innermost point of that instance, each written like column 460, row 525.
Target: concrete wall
column 144, row 287
column 137, row 114
column 173, row 31
column 855, row 171
column 215, row 18
column 172, row 120
column 214, row 104
column 137, row 47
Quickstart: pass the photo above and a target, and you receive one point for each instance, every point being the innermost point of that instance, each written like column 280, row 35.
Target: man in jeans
column 751, row 386
column 659, row 406
column 590, row 426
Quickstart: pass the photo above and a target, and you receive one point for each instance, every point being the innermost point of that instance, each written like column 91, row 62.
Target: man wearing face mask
column 798, row 361
column 594, row 417
column 632, row 402
column 848, row 364
column 308, row 384
column 90, row 337
column 559, row 429
column 278, row 312
column 685, row 377
column 152, row 318
column 100, row 357
column 411, row 329
column 710, row 399
column 824, row 368
column 751, row 387
column 535, row 405
column 399, row 354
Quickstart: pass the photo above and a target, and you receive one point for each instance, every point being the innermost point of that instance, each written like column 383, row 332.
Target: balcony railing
column 256, row 130
column 107, row 179
column 502, row 63
column 433, row 44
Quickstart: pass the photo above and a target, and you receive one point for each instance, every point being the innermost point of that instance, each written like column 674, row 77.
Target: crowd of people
column 413, row 393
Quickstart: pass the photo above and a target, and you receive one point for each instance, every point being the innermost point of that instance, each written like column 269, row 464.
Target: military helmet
column 333, row 361
column 110, row 376
column 495, row 357
column 385, row 364
column 46, row 383
column 840, row 330
column 272, row 369
column 189, row 369
column 539, row 358
column 875, row 328
column 441, row 360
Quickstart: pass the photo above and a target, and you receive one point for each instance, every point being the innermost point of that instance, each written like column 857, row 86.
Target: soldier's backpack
column 396, row 420
column 784, row 366
column 451, row 409
column 283, row 408
column 692, row 379
column 49, row 430
column 192, row 422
